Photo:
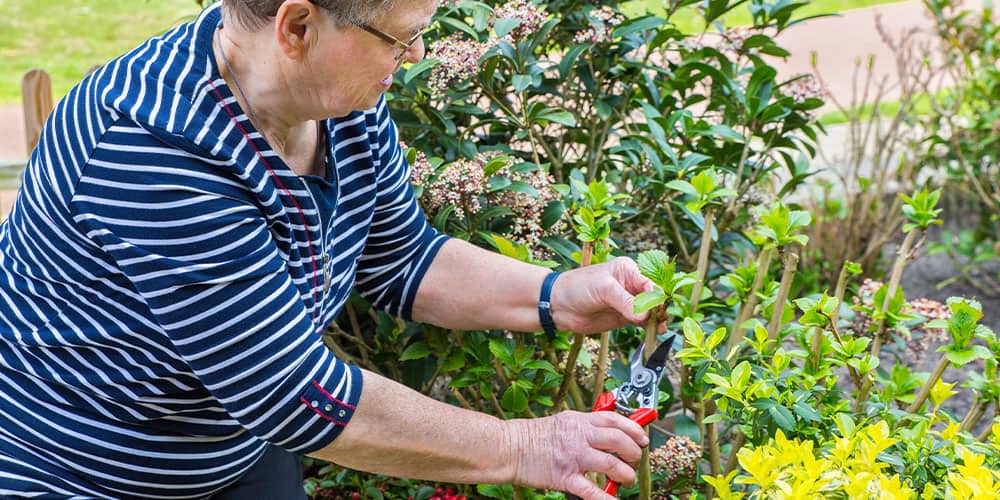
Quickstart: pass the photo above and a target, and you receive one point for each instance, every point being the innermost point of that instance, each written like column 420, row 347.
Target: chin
column 368, row 103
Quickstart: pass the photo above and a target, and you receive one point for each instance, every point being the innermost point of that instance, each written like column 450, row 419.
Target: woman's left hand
column 598, row 298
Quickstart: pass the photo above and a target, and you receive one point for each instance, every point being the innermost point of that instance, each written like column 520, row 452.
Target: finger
column 609, row 465
column 622, row 301
column 584, row 488
column 610, row 419
column 630, row 277
column 617, row 442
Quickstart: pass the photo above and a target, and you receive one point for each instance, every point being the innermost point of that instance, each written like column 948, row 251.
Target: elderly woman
column 190, row 223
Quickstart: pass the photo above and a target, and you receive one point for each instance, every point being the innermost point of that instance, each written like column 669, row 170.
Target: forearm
column 469, row 288
column 399, row 432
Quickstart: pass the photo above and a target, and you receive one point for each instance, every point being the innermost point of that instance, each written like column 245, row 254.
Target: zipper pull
column 326, row 273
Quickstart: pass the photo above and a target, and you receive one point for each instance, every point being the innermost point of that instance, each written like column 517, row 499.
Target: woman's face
column 353, row 67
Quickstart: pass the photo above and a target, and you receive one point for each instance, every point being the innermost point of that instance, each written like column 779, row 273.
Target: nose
column 416, row 52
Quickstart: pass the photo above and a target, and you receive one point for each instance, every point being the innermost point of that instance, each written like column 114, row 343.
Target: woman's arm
column 399, row 432
column 469, row 288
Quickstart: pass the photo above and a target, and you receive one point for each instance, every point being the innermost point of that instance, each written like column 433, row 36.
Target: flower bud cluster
column 641, row 237
column 734, row 38
column 459, row 60
column 461, row 184
column 527, row 209
column 805, row 87
column 677, row 458
column 602, row 24
column 531, row 16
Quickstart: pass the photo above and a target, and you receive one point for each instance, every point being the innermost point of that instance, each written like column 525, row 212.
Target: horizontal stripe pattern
column 161, row 294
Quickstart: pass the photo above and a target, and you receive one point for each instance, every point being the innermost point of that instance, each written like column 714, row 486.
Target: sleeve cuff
column 406, row 311
column 337, row 412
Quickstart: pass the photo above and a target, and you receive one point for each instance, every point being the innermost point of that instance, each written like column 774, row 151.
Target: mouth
column 387, row 81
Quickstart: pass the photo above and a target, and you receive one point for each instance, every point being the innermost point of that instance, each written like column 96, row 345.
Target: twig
column 790, row 261
column 764, row 262
column 461, row 399
column 928, row 385
column 903, row 255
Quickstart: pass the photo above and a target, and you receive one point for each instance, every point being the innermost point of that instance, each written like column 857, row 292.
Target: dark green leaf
column 417, row 350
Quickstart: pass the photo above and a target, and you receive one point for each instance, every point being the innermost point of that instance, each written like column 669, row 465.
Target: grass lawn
column 688, row 21
column 68, row 37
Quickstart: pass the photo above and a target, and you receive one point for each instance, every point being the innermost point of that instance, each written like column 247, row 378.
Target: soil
column 921, row 279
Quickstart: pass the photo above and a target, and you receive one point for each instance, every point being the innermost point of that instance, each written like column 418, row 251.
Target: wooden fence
column 36, row 102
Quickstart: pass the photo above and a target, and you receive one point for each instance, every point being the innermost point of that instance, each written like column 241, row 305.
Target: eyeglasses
column 403, row 47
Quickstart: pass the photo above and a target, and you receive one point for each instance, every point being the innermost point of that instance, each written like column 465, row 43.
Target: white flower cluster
column 805, row 87
column 602, row 24
column 463, row 185
column 530, row 15
column 528, row 209
column 734, row 38
column 459, row 59
column 677, row 458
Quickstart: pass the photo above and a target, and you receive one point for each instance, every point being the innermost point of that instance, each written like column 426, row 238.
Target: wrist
column 513, row 435
column 545, row 312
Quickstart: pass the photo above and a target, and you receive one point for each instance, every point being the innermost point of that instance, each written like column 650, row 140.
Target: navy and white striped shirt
column 162, row 289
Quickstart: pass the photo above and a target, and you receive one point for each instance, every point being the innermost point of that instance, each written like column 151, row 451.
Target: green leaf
column 417, row 350
column 498, row 491
column 523, row 187
column 539, row 364
column 521, row 82
column 714, row 418
column 741, row 375
column 725, row 132
column 782, row 417
column 637, row 25
column 959, row 357
column 557, row 116
column 503, row 350
column 806, row 412
column 703, row 183
column 684, row 187
column 419, row 68
column 648, row 300
column 685, row 426
column 454, row 361
column 514, row 399
column 495, row 165
column 505, row 25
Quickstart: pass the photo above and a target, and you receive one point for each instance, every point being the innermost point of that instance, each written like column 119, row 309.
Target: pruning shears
column 638, row 397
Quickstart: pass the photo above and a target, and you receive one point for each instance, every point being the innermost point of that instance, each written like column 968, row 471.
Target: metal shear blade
column 644, row 378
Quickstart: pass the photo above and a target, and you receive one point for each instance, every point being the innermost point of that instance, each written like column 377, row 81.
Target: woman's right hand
column 556, row 452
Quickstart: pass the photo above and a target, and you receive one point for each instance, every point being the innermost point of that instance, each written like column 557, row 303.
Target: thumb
column 624, row 302
column 581, row 487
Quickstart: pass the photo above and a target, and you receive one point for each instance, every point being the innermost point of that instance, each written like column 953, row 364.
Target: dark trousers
column 276, row 476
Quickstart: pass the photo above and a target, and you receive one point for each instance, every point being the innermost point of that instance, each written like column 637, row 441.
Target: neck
column 259, row 88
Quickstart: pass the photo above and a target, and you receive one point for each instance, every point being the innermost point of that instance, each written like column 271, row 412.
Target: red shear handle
column 642, row 416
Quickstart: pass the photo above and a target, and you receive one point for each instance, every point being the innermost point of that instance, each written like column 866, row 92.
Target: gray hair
column 254, row 14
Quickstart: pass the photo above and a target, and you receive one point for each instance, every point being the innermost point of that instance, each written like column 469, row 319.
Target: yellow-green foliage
column 850, row 468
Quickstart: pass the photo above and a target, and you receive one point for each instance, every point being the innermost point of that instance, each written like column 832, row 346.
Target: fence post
column 36, row 99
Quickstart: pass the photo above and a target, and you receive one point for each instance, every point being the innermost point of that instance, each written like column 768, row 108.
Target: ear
column 296, row 27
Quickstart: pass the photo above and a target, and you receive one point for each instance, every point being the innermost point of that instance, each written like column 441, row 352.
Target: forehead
column 409, row 15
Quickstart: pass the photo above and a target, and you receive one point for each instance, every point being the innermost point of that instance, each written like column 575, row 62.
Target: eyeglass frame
column 391, row 40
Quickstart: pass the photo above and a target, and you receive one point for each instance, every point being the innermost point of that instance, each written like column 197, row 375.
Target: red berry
column 355, row 496
column 439, row 491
